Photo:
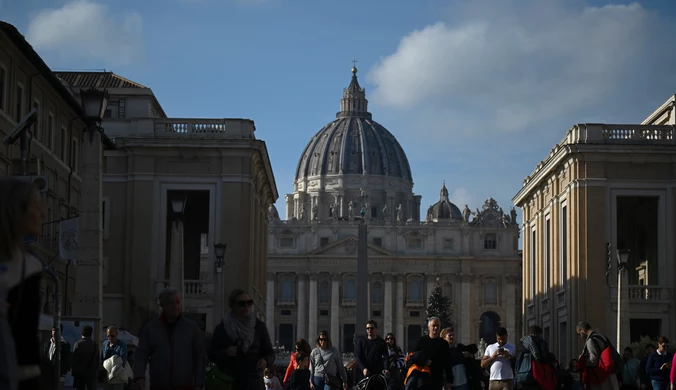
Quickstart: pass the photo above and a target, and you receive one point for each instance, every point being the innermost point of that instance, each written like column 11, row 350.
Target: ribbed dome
column 443, row 209
column 353, row 143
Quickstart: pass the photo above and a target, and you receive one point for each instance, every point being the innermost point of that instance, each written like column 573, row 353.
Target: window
column 490, row 294
column 414, row 313
column 285, row 312
column 545, row 335
column 3, row 85
column 50, row 131
column 121, row 108
column 414, row 286
column 533, row 268
column 37, row 131
column 286, row 242
column 285, row 336
column 350, row 289
column 324, row 292
column 374, row 212
column 107, row 114
column 377, row 241
column 563, row 342
column 19, row 102
column 490, row 241
column 415, row 243
column 74, row 157
column 564, row 246
column 324, row 241
column 548, row 255
column 323, row 313
column 286, row 288
column 377, row 292
column 448, row 291
column 63, row 145
column 348, row 338
column 448, row 244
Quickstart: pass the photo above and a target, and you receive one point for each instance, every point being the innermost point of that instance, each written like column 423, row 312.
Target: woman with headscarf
column 301, row 346
column 240, row 346
column 21, row 215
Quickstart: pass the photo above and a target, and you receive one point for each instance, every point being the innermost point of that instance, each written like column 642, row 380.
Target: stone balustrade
column 648, row 293
column 195, row 128
column 193, row 288
column 597, row 133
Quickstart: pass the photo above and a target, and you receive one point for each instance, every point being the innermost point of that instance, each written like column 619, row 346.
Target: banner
column 69, row 238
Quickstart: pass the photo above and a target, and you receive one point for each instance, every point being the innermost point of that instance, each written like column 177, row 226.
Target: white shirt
column 501, row 369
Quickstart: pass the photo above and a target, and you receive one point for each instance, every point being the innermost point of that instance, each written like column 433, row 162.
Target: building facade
column 224, row 175
column 603, row 184
column 354, row 166
column 64, row 157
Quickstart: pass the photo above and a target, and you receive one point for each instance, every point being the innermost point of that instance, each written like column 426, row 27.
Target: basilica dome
column 443, row 209
column 353, row 144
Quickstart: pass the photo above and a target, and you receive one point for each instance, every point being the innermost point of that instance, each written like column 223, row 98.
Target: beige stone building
column 223, row 172
column 354, row 162
column 63, row 156
column 602, row 184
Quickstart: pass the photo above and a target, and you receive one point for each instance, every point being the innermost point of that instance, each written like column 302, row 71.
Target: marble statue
column 466, row 212
column 301, row 211
column 512, row 216
column 482, row 347
column 386, row 213
column 399, row 212
column 334, row 211
column 350, row 210
column 315, row 210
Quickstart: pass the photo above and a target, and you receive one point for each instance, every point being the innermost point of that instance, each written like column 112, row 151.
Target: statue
column 315, row 210
column 430, row 213
column 399, row 212
column 350, row 210
column 272, row 213
column 466, row 214
column 386, row 213
column 334, row 211
column 512, row 216
column 301, row 211
column 482, row 347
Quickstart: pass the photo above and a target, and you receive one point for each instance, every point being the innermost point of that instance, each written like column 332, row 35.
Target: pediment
column 348, row 247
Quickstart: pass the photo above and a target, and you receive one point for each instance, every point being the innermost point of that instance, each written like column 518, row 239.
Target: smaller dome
column 273, row 214
column 443, row 209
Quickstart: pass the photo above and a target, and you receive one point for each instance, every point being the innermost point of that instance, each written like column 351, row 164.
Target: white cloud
column 84, row 29
column 461, row 197
column 506, row 66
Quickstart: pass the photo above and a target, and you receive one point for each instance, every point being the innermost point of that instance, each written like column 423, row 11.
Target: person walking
column 241, row 346
column 457, row 357
column 301, row 346
column 531, row 348
column 396, row 362
column 371, row 353
column 113, row 346
column 659, row 365
column 630, row 375
column 22, row 213
column 433, row 355
column 326, row 366
column 85, row 361
column 588, row 362
column 172, row 347
column 500, row 357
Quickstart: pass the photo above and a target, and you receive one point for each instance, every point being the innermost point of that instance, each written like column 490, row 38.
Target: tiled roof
column 96, row 80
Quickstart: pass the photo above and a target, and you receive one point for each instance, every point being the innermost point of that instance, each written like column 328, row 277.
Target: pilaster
column 312, row 314
column 387, row 312
column 270, row 306
column 335, row 309
column 301, row 325
column 400, row 309
column 465, row 308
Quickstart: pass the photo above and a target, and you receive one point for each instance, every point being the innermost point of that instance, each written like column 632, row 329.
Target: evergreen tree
column 439, row 306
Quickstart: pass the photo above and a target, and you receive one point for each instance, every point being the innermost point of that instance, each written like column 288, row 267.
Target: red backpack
column 544, row 375
column 610, row 363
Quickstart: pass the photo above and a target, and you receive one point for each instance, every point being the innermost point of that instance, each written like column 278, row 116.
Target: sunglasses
column 369, row 328
column 389, row 338
column 322, row 339
column 250, row 302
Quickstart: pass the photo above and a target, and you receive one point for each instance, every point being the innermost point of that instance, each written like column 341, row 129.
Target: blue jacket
column 120, row 348
column 652, row 368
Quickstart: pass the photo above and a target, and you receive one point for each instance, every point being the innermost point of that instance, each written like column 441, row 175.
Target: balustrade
column 648, row 293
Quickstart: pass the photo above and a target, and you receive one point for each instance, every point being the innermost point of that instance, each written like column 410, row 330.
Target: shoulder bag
column 333, row 381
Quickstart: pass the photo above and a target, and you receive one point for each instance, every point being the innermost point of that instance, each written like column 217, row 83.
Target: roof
column 660, row 111
column 97, row 80
column 32, row 56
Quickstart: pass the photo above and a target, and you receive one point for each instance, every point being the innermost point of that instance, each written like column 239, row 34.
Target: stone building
column 603, row 184
column 62, row 155
column 223, row 173
column 354, row 164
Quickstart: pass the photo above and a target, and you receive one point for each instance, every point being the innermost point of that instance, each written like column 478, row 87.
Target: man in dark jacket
column 85, row 363
column 174, row 348
column 537, row 347
column 371, row 352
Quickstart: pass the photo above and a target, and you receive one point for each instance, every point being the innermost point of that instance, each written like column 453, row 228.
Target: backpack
column 610, row 362
column 530, row 371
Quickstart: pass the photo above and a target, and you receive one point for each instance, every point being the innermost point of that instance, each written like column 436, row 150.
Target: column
column 88, row 300
column 312, row 326
column 270, row 307
column 387, row 313
column 368, row 299
column 301, row 298
column 335, row 309
column 400, row 310
column 509, row 300
column 465, row 309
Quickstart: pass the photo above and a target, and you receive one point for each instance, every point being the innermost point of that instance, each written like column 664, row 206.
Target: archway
column 489, row 324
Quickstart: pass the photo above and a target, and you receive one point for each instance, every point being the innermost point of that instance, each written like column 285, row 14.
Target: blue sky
column 477, row 92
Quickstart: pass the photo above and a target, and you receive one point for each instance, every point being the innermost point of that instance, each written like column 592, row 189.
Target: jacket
column 174, row 351
column 293, row 364
column 371, row 355
column 655, row 361
column 119, row 348
column 85, row 359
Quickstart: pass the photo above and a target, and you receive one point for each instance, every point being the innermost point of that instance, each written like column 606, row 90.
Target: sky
column 476, row 91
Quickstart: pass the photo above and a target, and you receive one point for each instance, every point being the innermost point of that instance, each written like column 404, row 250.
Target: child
column 300, row 378
column 271, row 380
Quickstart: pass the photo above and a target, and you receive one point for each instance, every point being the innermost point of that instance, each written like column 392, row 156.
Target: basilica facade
column 355, row 171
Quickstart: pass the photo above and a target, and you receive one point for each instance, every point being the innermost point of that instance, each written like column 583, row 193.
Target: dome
column 273, row 214
column 353, row 143
column 443, row 209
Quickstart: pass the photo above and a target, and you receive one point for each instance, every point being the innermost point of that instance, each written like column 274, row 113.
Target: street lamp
column 219, row 251
column 94, row 103
column 623, row 310
column 178, row 202
column 622, row 259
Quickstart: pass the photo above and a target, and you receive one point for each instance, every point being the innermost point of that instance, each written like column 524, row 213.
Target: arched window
column 350, row 288
column 415, row 293
column 377, row 292
column 490, row 294
column 324, row 292
column 448, row 291
column 286, row 288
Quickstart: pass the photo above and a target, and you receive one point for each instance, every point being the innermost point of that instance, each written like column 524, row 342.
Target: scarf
column 240, row 330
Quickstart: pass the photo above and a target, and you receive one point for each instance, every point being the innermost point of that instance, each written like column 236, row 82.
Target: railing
column 349, row 302
column 620, row 134
column 415, row 303
column 179, row 128
column 197, row 288
column 648, row 293
column 286, row 301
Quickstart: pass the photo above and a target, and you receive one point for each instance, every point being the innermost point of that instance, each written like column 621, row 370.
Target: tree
column 439, row 306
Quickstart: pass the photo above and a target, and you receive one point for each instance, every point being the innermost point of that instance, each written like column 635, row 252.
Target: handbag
column 218, row 380
column 333, row 381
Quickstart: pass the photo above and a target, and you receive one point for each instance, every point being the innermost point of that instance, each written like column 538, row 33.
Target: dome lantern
column 354, row 103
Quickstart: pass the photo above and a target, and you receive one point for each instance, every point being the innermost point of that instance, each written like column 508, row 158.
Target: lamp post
column 219, row 252
column 362, row 272
column 623, row 337
column 178, row 202
column 94, row 103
